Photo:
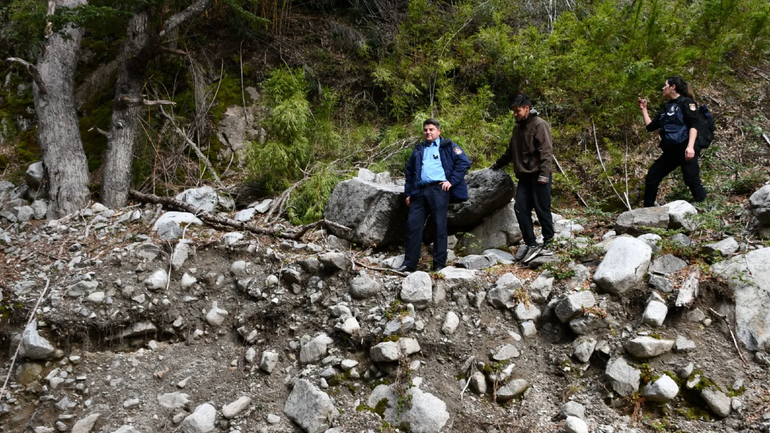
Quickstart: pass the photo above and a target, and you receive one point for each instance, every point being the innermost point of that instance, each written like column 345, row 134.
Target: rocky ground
column 144, row 320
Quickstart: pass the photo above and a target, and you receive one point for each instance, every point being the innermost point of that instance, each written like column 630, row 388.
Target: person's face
column 430, row 132
column 669, row 91
column 521, row 113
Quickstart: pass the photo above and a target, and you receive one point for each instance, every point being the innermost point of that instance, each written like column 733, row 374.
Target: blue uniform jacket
column 455, row 163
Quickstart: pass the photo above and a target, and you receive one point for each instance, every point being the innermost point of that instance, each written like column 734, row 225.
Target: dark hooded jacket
column 530, row 148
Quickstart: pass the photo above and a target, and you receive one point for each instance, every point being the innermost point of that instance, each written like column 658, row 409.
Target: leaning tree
column 147, row 29
column 58, row 134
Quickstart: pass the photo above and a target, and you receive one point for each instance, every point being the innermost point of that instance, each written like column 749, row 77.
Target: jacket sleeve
column 689, row 112
column 409, row 172
column 507, row 156
column 544, row 145
column 461, row 164
column 655, row 123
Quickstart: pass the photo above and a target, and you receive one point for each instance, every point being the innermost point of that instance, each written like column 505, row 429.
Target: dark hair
column 431, row 121
column 682, row 87
column 521, row 100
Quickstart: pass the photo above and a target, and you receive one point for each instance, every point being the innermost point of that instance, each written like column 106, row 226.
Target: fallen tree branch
column 33, row 71
column 194, row 10
column 139, row 102
column 32, row 315
column 174, row 51
column 767, row 140
column 729, row 328
column 229, row 222
column 99, row 130
column 374, row 268
column 565, row 176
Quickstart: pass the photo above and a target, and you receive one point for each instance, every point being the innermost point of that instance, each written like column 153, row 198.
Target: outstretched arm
column 645, row 114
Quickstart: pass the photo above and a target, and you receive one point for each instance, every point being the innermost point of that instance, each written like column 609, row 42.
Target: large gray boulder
column 375, row 213
column 204, row 198
column 35, row 175
column 309, row 407
column 748, row 276
column 488, row 190
column 500, row 229
column 623, row 377
column 636, row 221
column 624, row 265
column 662, row 390
column 425, row 412
column 648, row 347
column 201, row 420
column 759, row 203
column 680, row 214
column 32, row 345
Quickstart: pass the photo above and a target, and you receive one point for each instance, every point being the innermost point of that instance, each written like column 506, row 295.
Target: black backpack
column 706, row 127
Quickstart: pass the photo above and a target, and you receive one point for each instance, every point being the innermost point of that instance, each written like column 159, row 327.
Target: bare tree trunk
column 141, row 45
column 57, row 129
column 132, row 63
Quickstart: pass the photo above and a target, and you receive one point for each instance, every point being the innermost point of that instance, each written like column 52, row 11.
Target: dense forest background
column 346, row 84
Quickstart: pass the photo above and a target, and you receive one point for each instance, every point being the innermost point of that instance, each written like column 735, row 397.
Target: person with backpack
column 678, row 122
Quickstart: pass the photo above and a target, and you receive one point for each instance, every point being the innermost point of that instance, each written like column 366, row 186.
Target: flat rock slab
column 624, row 265
column 667, row 264
column 309, row 407
column 497, row 230
column 680, row 213
column 426, row 413
column 488, row 190
column 748, row 276
column 178, row 218
column 624, row 378
column 759, row 203
column 662, row 390
column 636, row 222
column 648, row 347
column 573, row 304
column 512, row 389
column 375, row 213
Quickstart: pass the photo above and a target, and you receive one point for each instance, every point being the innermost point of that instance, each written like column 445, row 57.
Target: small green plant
column 560, row 270
column 396, row 310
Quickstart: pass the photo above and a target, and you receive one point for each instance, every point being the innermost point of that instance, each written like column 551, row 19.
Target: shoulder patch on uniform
column 458, row 150
column 693, row 107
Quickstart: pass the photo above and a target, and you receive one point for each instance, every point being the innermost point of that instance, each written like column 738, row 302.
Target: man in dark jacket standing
column 531, row 150
column 435, row 176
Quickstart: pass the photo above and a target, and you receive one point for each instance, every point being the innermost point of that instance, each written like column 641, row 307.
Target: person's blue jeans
column 432, row 203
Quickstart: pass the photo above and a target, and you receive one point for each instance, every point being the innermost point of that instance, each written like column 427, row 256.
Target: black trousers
column 530, row 194
column 673, row 157
column 432, row 203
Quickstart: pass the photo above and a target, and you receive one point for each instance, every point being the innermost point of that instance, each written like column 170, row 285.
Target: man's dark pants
column 673, row 157
column 434, row 203
column 531, row 194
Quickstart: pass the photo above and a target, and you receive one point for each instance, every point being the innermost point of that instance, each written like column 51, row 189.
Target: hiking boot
column 540, row 250
column 521, row 252
column 405, row 269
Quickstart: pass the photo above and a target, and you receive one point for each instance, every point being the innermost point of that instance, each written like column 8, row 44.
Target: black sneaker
column 405, row 269
column 521, row 252
column 540, row 250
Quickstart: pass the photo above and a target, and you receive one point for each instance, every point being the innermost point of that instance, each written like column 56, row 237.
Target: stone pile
column 225, row 332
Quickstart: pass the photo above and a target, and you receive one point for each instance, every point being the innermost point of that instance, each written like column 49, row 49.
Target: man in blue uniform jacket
column 435, row 176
